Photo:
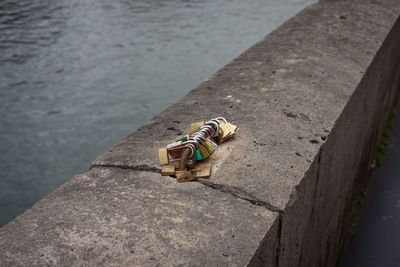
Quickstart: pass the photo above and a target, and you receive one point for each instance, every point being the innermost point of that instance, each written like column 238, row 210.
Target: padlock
column 227, row 130
column 176, row 152
column 205, row 172
column 191, row 163
column 184, row 176
column 198, row 155
column 195, row 127
column 180, row 157
column 174, row 144
column 163, row 156
column 232, row 128
column 224, row 131
column 201, row 172
column 204, row 152
column 167, row 170
column 210, row 146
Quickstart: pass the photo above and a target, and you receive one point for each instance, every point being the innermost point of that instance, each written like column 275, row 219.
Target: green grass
column 383, row 142
column 362, row 195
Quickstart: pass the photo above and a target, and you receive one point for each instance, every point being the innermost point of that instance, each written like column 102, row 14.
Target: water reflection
column 77, row 76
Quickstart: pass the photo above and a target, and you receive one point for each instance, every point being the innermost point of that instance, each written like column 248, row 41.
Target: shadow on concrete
column 376, row 241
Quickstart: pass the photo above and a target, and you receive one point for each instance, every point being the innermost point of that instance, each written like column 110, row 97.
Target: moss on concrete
column 383, row 142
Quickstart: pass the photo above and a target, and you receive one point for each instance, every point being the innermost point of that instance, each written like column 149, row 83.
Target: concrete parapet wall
column 310, row 99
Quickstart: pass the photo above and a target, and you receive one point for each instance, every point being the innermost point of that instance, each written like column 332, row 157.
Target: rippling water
column 77, row 76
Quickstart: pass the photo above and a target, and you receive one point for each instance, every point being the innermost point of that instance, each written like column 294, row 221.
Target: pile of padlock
column 179, row 158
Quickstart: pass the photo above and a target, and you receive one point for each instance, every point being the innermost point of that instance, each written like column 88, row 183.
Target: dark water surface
column 376, row 241
column 77, row 76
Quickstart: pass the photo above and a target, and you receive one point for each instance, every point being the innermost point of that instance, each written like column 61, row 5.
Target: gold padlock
column 167, row 170
column 225, row 131
column 228, row 130
column 204, row 153
column 184, row 176
column 195, row 127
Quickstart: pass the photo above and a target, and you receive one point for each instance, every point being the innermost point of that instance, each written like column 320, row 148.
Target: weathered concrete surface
column 344, row 160
column 328, row 75
column 111, row 216
column 310, row 101
column 286, row 92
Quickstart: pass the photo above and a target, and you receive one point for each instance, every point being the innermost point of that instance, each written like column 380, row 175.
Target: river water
column 77, row 76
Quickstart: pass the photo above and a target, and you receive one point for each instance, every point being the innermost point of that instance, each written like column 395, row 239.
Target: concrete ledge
column 311, row 100
column 111, row 216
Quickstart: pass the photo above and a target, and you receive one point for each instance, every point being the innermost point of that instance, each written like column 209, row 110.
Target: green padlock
column 198, row 155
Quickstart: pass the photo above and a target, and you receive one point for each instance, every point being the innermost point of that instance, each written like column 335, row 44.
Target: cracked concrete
column 237, row 192
column 310, row 101
column 315, row 77
column 113, row 216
